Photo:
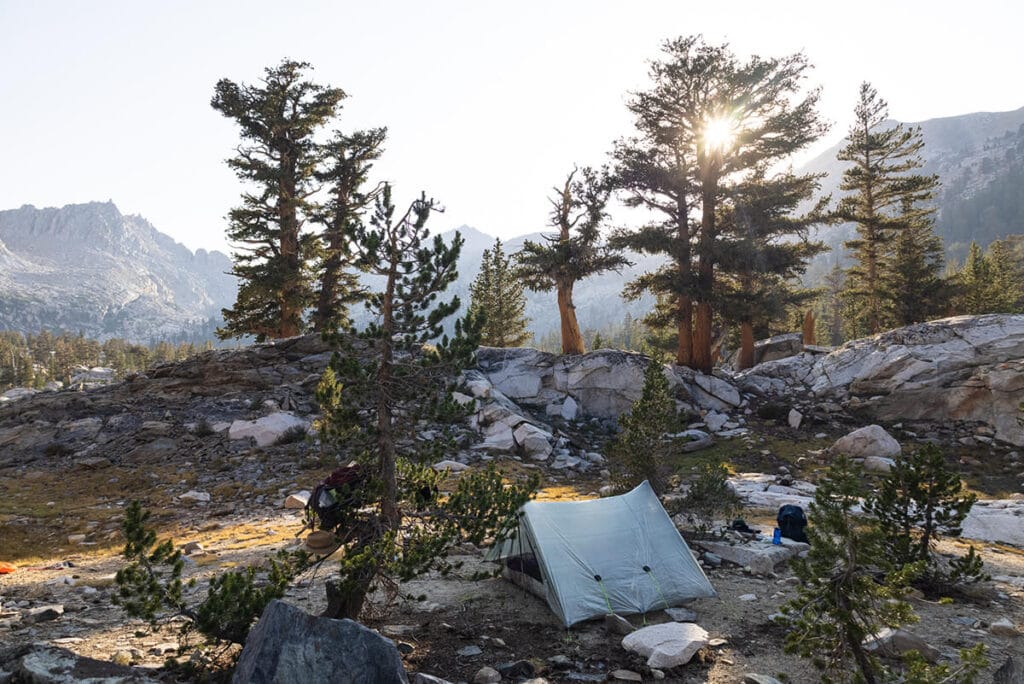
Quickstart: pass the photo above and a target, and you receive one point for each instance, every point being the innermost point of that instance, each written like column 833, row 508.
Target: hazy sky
column 488, row 104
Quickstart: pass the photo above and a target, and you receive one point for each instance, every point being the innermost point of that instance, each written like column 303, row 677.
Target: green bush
column 638, row 452
column 150, row 586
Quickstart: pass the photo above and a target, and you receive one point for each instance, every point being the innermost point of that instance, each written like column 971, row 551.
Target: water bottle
column 777, row 536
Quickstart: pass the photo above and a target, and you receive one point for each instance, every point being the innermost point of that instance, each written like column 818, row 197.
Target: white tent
column 620, row 554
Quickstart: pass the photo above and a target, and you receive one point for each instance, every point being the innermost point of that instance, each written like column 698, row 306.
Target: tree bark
column 808, row 331
column 290, row 297
column 684, row 345
column 706, row 266
column 385, row 439
column 572, row 338
column 746, row 359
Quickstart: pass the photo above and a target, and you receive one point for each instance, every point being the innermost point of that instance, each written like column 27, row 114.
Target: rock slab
column 42, row 664
column 290, row 645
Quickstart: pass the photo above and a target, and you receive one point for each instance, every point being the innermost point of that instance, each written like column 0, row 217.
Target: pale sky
column 488, row 104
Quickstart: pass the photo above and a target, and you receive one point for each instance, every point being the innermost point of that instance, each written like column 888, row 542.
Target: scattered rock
column 878, row 464
column 1003, row 627
column 43, row 613
column 520, row 669
column 754, row 678
column 747, row 597
column 268, row 429
column 616, row 624
column 297, row 501
column 193, row 495
column 894, row 642
column 681, row 614
column 795, row 418
column 450, row 465
column 470, row 651
column 667, row 645
column 42, row 664
column 626, row 676
column 486, row 675
column 871, row 440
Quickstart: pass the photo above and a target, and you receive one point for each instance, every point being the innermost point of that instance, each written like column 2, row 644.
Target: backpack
column 792, row 522
column 334, row 499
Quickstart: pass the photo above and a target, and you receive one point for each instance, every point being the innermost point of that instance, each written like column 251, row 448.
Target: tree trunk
column 385, row 439
column 701, row 359
column 684, row 346
column 808, row 332
column 326, row 312
column 572, row 339
column 746, row 359
column 290, row 297
column 706, row 267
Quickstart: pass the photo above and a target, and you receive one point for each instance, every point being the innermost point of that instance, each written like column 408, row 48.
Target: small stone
column 754, row 678
column 562, row 662
column 486, row 675
column 520, row 669
column 795, row 418
column 748, row 597
column 297, row 501
column 470, row 651
column 161, row 649
column 712, row 559
column 122, row 657
column 616, row 624
column 626, row 676
column 193, row 495
column 1003, row 627
column 193, row 548
column 43, row 613
column 76, row 538
column 681, row 614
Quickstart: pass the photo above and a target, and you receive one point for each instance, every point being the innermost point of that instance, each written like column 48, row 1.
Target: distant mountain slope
column 979, row 159
column 89, row 268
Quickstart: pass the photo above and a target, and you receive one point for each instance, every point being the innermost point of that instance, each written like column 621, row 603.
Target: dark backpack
column 792, row 522
column 336, row 498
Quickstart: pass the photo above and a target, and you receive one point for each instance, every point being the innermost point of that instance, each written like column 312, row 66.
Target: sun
column 719, row 133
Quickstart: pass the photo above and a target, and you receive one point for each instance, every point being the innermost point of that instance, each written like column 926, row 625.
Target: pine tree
column 830, row 306
column 839, row 603
column 497, row 296
column 378, row 387
column 974, row 283
column 884, row 198
column 920, row 499
column 1006, row 293
column 916, row 291
column 574, row 253
column 761, row 267
column 638, row 452
column 278, row 158
column 347, row 160
column 708, row 123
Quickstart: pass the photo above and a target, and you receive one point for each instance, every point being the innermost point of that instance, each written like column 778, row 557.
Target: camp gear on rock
column 336, row 498
column 792, row 522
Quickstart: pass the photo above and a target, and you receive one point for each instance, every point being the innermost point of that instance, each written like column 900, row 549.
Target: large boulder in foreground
column 289, row 645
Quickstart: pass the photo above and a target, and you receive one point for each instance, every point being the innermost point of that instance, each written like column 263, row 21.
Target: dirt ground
column 40, row 506
column 505, row 621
